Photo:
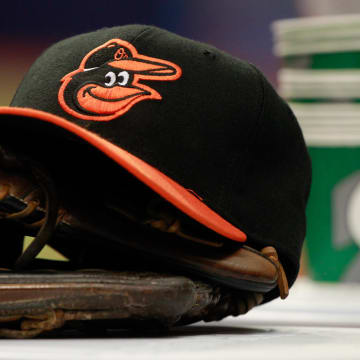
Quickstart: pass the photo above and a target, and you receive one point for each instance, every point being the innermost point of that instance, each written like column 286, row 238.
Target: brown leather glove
column 134, row 261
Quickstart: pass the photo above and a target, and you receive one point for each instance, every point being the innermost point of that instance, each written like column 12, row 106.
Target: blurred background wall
column 241, row 27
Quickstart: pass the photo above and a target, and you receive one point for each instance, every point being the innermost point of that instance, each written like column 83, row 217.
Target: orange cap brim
column 153, row 178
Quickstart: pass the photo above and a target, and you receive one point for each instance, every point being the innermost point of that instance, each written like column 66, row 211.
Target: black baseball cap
column 203, row 129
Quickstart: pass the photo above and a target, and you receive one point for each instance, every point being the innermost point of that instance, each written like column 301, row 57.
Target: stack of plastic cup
column 320, row 78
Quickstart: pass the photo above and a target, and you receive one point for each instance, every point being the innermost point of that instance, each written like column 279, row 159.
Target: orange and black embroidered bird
column 106, row 84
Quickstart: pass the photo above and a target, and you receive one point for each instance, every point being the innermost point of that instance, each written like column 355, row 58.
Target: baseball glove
column 133, row 262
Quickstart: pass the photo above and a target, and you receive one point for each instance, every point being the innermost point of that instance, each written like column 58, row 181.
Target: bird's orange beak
column 93, row 97
column 139, row 66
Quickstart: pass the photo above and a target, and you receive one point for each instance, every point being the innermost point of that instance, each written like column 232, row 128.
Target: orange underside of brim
column 153, row 178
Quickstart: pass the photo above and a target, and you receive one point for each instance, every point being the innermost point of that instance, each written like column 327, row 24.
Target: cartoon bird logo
column 107, row 83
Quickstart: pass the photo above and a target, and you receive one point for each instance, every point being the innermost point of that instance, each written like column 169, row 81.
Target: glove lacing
column 48, row 223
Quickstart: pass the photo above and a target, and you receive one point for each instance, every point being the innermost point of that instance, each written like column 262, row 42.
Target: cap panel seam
column 262, row 107
column 228, row 202
column 140, row 34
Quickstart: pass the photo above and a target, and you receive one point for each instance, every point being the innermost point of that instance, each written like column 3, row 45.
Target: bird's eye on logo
column 107, row 83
